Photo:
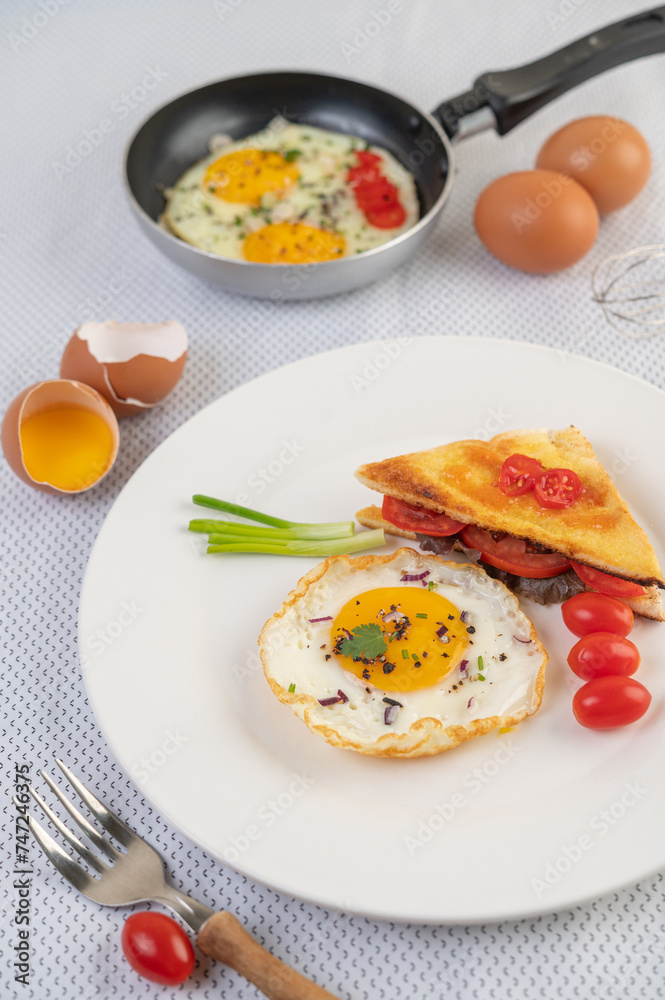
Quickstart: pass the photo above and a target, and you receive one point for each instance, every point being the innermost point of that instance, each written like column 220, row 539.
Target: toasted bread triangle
column 460, row 479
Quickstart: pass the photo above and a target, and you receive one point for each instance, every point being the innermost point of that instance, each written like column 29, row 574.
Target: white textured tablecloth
column 70, row 251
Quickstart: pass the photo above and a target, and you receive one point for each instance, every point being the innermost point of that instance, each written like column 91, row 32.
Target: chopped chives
column 480, row 663
column 405, row 654
column 292, row 688
column 419, row 614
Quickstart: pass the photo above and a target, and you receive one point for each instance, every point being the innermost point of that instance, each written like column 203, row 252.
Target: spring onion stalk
column 333, row 529
column 246, row 530
column 297, row 547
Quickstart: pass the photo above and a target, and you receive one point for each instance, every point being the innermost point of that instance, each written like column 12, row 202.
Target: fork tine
column 87, row 855
column 96, row 838
column 111, row 823
column 71, row 870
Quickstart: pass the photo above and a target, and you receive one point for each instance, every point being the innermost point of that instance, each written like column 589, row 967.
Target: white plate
column 501, row 827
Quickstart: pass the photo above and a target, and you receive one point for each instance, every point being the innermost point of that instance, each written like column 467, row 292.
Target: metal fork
column 137, row 875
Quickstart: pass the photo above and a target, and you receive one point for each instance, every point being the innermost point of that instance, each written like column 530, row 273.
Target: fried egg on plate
column 403, row 655
column 282, row 196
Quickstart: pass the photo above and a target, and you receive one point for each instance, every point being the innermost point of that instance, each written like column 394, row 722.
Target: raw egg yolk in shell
column 423, row 635
column 68, row 447
column 292, row 243
column 247, row 174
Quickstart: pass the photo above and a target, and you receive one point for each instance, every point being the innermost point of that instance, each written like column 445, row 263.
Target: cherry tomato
column 157, row 948
column 519, row 474
column 608, row 702
column 511, row 554
column 412, row 518
column 558, row 488
column 604, row 583
column 603, row 654
column 366, row 159
column 585, row 613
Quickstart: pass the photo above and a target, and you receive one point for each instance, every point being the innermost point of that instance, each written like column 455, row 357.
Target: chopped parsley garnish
column 367, row 643
column 292, row 688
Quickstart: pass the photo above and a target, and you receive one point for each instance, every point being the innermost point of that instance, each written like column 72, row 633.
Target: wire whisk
column 630, row 288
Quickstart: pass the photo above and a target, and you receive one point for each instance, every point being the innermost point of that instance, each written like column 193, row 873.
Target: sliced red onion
column 313, row 621
column 440, row 632
column 414, row 577
column 348, row 634
column 463, row 665
column 525, row 642
column 342, row 697
column 334, row 700
column 471, row 703
column 390, row 714
column 464, row 617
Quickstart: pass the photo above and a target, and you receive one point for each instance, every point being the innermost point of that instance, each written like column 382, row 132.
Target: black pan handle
column 514, row 94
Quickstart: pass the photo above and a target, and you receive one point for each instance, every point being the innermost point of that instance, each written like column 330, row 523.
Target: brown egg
column 607, row 156
column 133, row 365
column 60, row 436
column 536, row 220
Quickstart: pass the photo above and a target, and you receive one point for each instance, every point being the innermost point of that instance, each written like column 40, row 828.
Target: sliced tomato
column 386, row 218
column 410, row 517
column 510, row 553
column 605, row 583
column 366, row 159
column 519, row 474
column 557, row 488
column 361, row 175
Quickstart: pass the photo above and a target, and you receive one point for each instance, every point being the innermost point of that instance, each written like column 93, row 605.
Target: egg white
column 321, row 197
column 433, row 719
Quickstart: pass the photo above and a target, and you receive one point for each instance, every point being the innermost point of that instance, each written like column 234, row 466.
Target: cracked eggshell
column 133, row 365
column 53, row 393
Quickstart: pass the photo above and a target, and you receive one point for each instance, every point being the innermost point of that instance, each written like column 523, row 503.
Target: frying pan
column 177, row 135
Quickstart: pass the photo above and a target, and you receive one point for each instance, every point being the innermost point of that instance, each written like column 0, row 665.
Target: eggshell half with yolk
column 133, row 365
column 83, row 454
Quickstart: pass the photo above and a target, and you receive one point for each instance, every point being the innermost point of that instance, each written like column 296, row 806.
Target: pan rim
column 421, row 224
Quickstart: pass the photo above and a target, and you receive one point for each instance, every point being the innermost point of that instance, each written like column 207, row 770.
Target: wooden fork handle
column 223, row 937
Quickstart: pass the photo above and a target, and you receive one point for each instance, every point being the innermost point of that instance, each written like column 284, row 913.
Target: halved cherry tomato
column 519, row 474
column 386, row 218
column 557, row 488
column 511, row 554
column 603, row 654
column 604, row 583
column 608, row 702
column 157, row 948
column 585, row 613
column 410, row 517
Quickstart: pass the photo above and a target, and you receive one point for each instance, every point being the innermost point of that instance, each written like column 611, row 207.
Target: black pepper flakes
column 328, row 656
column 503, row 657
column 388, row 668
column 471, row 630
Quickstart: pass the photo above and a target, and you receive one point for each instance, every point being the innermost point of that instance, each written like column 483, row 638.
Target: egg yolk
column 246, row 175
column 293, row 243
column 423, row 637
column 68, row 447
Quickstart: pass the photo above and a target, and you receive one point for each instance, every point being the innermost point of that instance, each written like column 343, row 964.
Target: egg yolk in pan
column 292, row 243
column 245, row 175
column 423, row 634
